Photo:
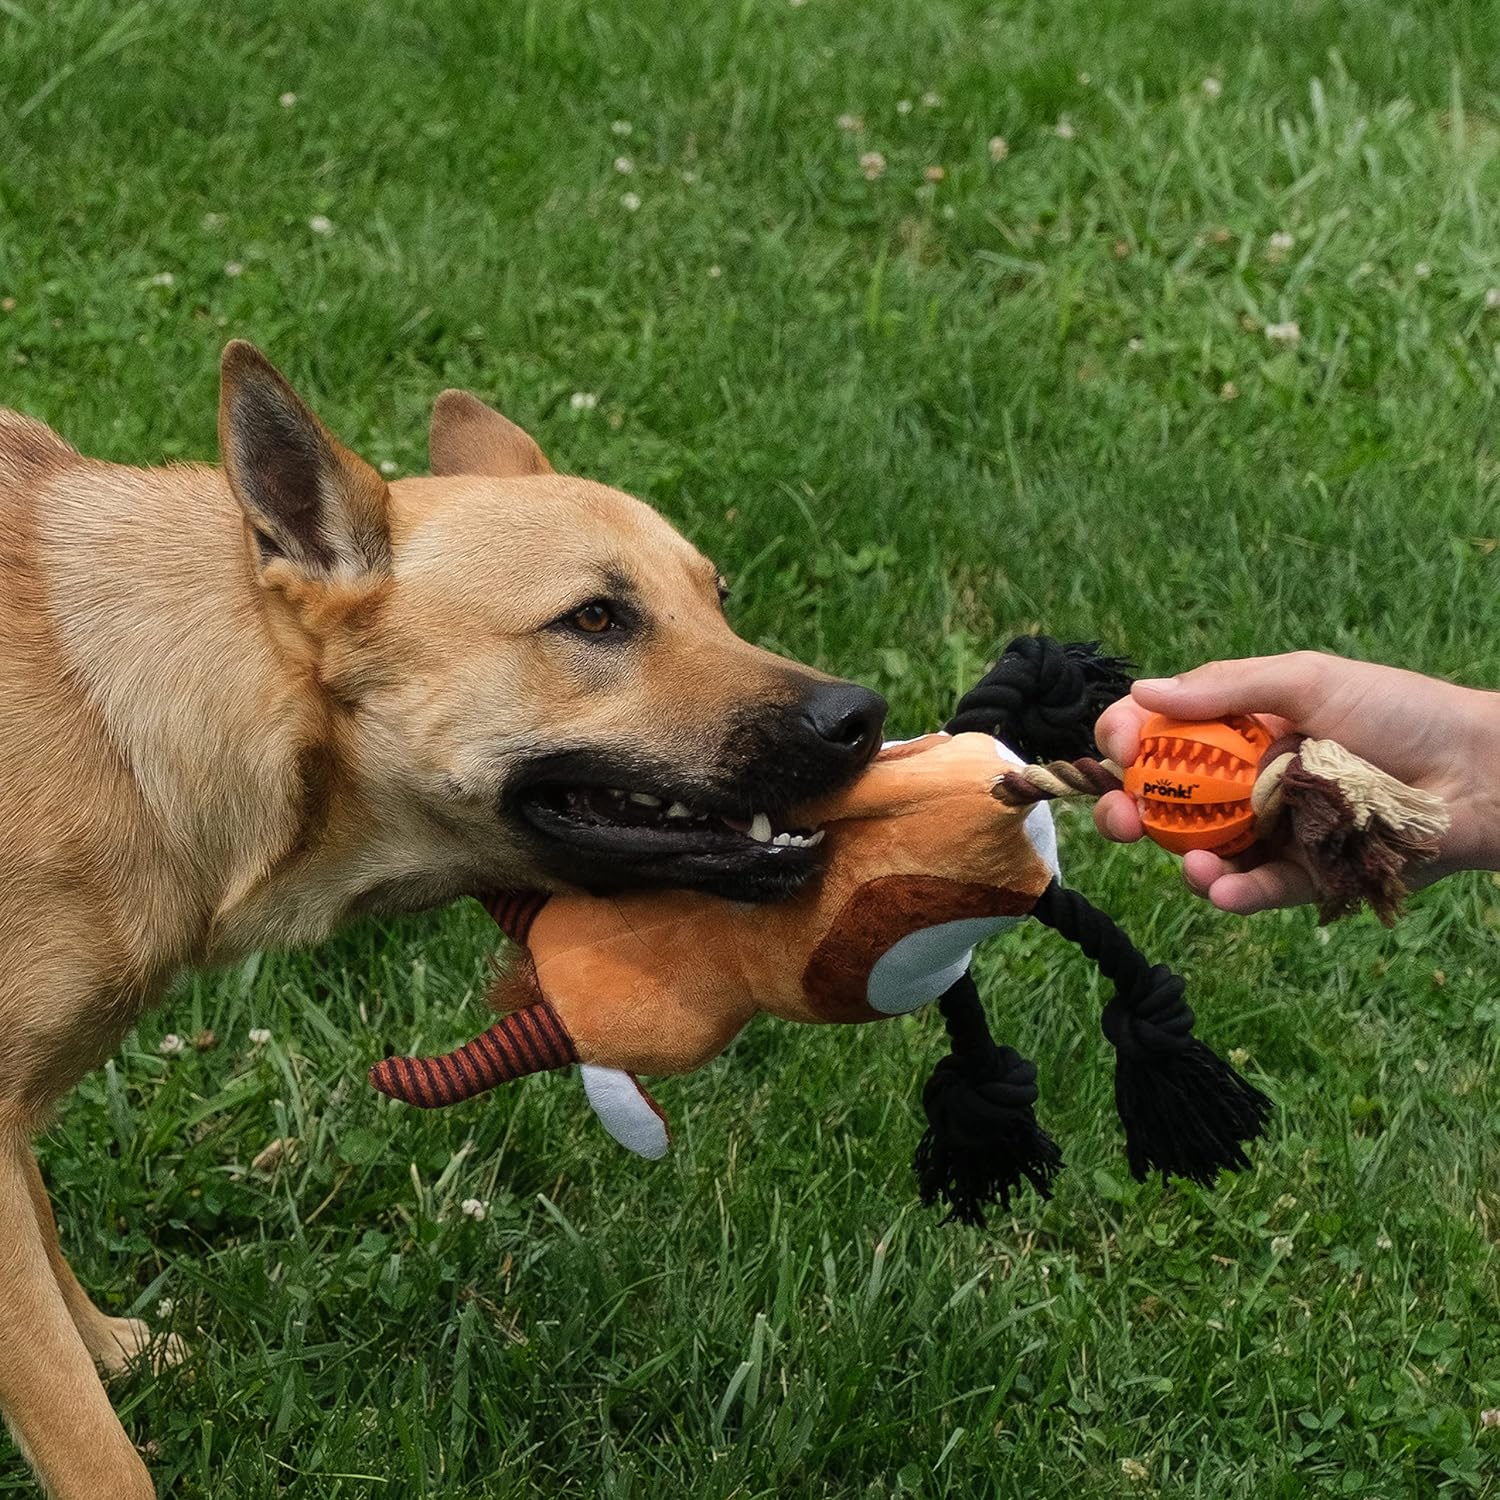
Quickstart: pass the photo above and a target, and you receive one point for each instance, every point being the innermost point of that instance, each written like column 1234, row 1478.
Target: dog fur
column 242, row 705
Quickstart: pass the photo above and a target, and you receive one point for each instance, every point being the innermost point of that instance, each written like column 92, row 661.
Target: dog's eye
column 594, row 618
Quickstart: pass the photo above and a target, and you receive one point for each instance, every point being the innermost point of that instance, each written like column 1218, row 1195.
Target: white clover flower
column 171, row 1045
column 934, row 173
column 474, row 1208
column 165, row 1308
column 1281, row 1246
column 1085, row 79
column 583, row 400
column 624, row 164
column 288, row 100
column 715, row 272
column 1382, row 1241
column 1490, row 1417
column 872, row 164
column 1422, row 270
column 1134, row 1469
column 1282, row 241
column 164, row 278
column 999, row 148
column 1212, row 88
column 320, row 224
column 233, row 268
column 620, row 127
column 212, row 221
column 259, row 1036
column 630, row 202
column 688, row 176
column 1229, row 391
column 1135, row 345
column 853, row 124
column 932, row 100
column 388, row 466
column 903, row 106
column 1283, row 333
column 1064, row 128
column 1492, row 298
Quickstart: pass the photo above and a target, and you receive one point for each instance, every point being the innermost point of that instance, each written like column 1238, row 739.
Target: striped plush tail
column 533, row 1040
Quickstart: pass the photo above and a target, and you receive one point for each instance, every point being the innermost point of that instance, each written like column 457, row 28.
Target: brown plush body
column 917, row 849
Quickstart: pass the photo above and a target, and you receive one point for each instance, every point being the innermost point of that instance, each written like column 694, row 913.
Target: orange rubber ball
column 1192, row 782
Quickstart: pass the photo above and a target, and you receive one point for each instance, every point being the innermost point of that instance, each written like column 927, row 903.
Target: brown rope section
column 1058, row 778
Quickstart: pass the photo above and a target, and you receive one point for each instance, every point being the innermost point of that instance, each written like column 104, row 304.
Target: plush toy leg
column 532, row 1040
column 626, row 1111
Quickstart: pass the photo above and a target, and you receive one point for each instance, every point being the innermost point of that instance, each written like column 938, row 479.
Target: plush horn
column 531, row 1040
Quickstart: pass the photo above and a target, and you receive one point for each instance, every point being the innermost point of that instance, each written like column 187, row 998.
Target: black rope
column 982, row 1139
column 1186, row 1112
column 1042, row 697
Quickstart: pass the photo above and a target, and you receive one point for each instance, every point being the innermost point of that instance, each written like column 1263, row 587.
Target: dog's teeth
column 679, row 810
column 782, row 840
column 814, row 839
column 645, row 799
column 760, row 828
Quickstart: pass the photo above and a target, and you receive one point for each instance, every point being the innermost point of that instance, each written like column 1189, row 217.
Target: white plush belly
column 924, row 964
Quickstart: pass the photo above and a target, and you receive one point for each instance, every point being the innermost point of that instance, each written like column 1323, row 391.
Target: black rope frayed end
column 1186, row 1112
column 982, row 1139
column 1042, row 697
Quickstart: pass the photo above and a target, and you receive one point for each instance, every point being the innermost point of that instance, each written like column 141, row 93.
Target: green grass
column 909, row 419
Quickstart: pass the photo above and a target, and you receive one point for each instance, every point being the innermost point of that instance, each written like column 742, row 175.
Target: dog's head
column 530, row 675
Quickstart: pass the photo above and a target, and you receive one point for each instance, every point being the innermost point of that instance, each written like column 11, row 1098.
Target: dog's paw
column 124, row 1344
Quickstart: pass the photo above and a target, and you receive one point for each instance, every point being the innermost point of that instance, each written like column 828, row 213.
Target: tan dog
column 240, row 706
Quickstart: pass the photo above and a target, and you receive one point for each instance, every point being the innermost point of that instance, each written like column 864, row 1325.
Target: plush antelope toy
column 926, row 855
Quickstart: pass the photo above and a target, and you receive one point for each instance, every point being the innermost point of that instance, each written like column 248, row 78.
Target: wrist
column 1477, row 818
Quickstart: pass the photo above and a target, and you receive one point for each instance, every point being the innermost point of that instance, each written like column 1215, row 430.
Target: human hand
column 1430, row 734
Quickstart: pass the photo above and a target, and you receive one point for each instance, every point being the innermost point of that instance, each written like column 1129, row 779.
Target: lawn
column 1165, row 322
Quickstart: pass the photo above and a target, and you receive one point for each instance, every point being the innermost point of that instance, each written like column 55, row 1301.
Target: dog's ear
column 307, row 498
column 468, row 437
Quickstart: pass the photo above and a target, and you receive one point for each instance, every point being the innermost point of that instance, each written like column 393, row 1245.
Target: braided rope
column 1057, row 779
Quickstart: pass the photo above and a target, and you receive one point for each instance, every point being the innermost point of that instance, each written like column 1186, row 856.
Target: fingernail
column 1156, row 684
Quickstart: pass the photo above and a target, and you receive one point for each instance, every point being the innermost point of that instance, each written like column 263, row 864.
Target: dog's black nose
column 847, row 716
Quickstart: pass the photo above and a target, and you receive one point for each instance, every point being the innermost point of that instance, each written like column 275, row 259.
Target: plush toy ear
column 627, row 1111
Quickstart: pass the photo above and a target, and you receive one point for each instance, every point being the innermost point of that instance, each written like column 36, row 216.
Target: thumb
column 1293, row 687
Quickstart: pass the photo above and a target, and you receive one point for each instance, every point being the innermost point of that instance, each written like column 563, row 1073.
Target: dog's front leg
column 50, row 1393
column 114, row 1343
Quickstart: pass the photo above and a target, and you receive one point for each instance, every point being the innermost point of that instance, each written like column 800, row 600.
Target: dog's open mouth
column 604, row 823
column 613, row 819
column 624, row 837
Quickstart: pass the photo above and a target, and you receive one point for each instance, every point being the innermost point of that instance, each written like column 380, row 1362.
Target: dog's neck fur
column 255, row 835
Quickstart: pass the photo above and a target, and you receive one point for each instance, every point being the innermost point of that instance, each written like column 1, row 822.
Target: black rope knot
column 982, row 1139
column 1153, row 1022
column 1042, row 697
column 1186, row 1112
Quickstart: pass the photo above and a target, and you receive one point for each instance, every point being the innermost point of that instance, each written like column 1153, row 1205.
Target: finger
column 1293, row 686
column 1200, row 870
column 1280, row 883
column 1117, row 817
column 1118, row 731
